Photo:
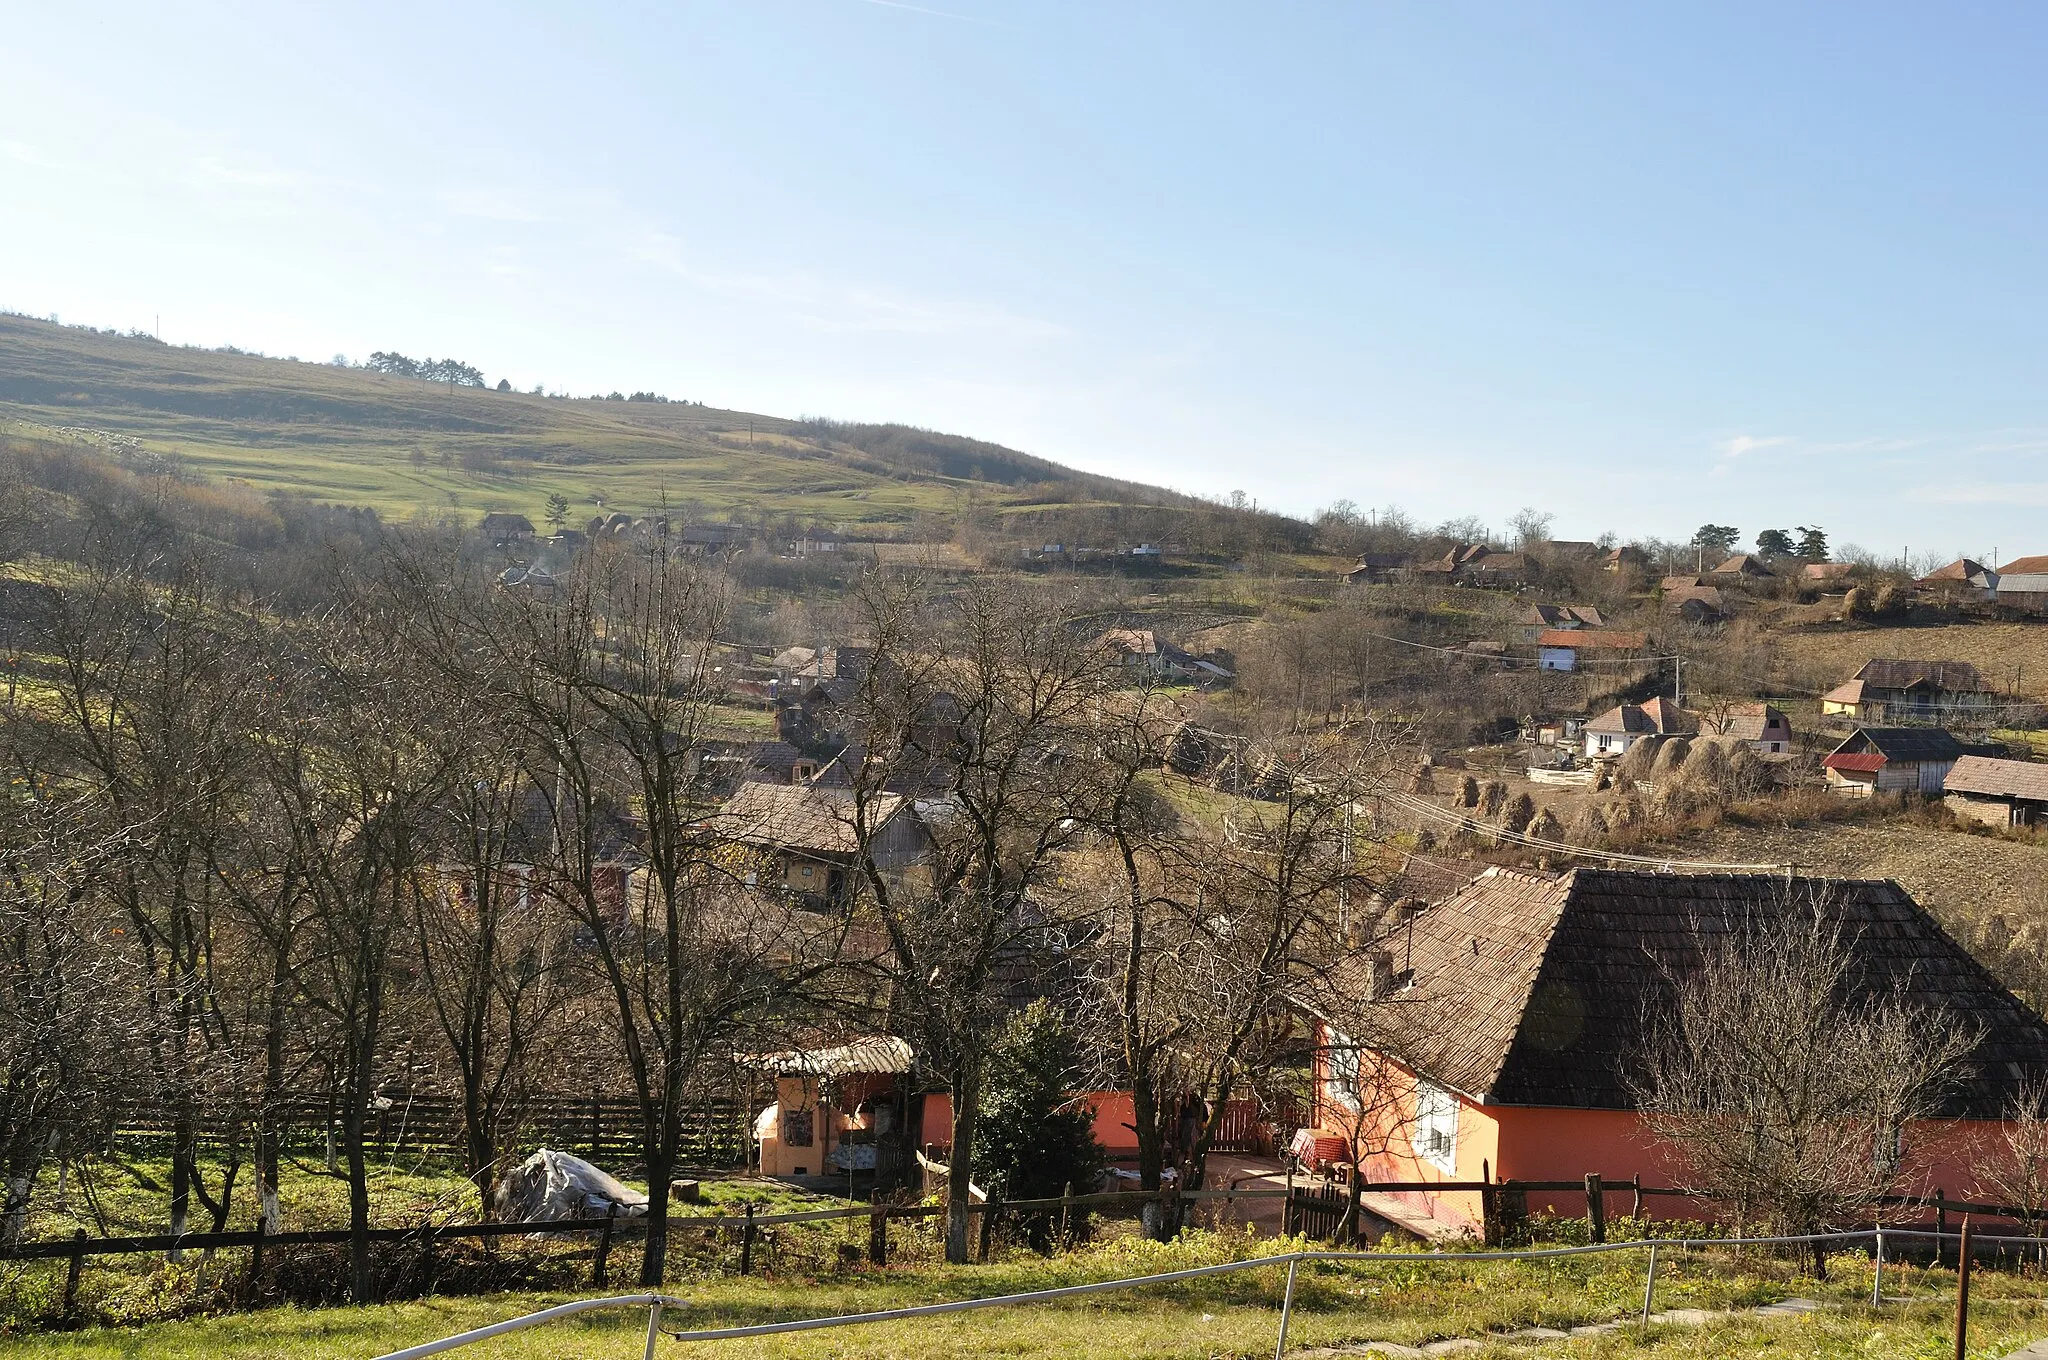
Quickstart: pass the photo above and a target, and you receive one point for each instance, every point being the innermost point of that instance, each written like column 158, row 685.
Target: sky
column 1637, row 266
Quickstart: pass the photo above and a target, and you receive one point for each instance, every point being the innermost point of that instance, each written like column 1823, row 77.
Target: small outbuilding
column 2005, row 793
column 1892, row 760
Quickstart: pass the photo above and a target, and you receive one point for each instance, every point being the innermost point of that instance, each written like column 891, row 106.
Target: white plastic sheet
column 552, row 1185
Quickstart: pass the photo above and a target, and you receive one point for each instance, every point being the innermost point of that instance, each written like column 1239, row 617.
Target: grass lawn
column 1233, row 1316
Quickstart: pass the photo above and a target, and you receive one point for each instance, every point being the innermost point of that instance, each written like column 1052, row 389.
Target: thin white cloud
column 494, row 204
column 213, row 170
column 936, row 13
column 1984, row 493
column 854, row 307
column 26, row 155
column 1750, row 443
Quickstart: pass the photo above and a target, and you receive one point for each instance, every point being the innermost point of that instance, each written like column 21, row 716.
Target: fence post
column 1963, row 1255
column 1877, row 1274
column 1596, row 1207
column 878, row 1236
column 1067, row 1216
column 1287, row 1224
column 1650, row 1285
column 71, row 1274
column 990, row 1208
column 600, row 1273
column 1286, row 1308
column 1635, row 1183
column 747, row 1241
column 1489, row 1206
column 596, row 1127
column 256, row 1260
column 654, row 1324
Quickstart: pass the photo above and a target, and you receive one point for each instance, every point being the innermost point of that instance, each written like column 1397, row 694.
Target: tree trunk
column 959, row 1174
column 361, row 1285
column 1151, row 1146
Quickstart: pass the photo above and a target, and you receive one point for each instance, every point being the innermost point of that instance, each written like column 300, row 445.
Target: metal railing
column 657, row 1303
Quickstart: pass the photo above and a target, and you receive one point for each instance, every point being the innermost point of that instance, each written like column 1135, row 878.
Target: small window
column 1340, row 1069
column 1436, row 1126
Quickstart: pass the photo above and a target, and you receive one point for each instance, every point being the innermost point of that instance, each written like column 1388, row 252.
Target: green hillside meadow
column 400, row 445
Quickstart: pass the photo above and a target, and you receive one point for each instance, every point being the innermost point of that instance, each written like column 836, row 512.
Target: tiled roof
column 1743, row 564
column 799, row 817
column 1869, row 762
column 1750, row 722
column 1907, row 744
column 1655, row 717
column 1848, row 692
column 1962, row 569
column 2025, row 566
column 1957, row 677
column 1530, row 989
column 2000, row 778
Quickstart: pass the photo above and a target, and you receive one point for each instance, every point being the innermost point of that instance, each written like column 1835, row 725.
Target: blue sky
column 1640, row 266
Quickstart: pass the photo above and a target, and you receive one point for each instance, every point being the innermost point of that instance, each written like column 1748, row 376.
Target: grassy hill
column 398, row 444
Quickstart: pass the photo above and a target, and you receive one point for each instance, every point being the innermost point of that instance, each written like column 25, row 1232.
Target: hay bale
column 1425, row 841
column 1547, row 827
column 1517, row 815
column 1670, row 758
column 1468, row 792
column 1493, row 799
column 1635, row 764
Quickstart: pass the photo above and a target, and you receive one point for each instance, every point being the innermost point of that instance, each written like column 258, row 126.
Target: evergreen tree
column 1774, row 543
column 1035, row 1139
column 1813, row 543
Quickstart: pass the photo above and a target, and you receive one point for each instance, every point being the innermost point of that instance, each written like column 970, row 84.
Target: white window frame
column 1340, row 1068
column 1436, row 1126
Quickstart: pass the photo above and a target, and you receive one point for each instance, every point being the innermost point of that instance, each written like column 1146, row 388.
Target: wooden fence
column 715, row 1131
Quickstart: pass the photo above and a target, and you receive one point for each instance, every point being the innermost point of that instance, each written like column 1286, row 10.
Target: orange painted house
column 1509, row 1015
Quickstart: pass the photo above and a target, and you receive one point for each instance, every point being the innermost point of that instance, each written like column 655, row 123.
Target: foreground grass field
column 1232, row 1316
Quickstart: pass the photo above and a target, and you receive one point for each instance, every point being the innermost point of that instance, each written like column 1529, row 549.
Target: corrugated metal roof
column 1869, row 762
column 870, row 1054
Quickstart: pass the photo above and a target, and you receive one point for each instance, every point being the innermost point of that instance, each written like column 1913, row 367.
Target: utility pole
column 1678, row 681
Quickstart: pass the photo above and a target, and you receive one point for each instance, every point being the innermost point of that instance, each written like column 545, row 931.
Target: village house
column 1745, row 566
column 1141, row 651
column 833, row 1106
column 2023, row 585
column 1963, row 581
column 1475, row 564
column 1540, row 618
column 817, row 541
column 804, row 838
column 1888, row 691
column 1625, row 558
column 503, row 530
column 1375, row 569
column 1695, row 604
column 1559, row 649
column 1612, row 733
column 1891, row 760
column 1826, row 573
column 1514, row 1011
column 2002, row 793
column 1765, row 729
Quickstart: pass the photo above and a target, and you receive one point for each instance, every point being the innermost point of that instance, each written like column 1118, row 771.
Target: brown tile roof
column 799, row 817
column 1743, row 564
column 1962, row 569
column 1657, row 717
column 1531, row 989
column 2025, row 566
column 1848, row 692
column 1957, row 677
column 1999, row 778
column 1750, row 722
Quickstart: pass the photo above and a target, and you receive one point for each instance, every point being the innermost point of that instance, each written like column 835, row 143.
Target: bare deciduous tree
column 1783, row 1081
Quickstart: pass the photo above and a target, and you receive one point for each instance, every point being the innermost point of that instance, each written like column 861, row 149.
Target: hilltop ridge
column 398, row 445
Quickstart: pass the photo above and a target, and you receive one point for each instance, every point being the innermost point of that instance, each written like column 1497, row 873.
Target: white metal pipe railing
column 656, row 1303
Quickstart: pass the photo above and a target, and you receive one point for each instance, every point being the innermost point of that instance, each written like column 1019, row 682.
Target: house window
column 1340, row 1069
column 1436, row 1126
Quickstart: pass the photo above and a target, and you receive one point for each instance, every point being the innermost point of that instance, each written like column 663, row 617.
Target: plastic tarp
column 553, row 1185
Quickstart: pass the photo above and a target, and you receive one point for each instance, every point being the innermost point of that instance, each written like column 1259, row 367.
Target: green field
column 1228, row 1316
column 402, row 446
